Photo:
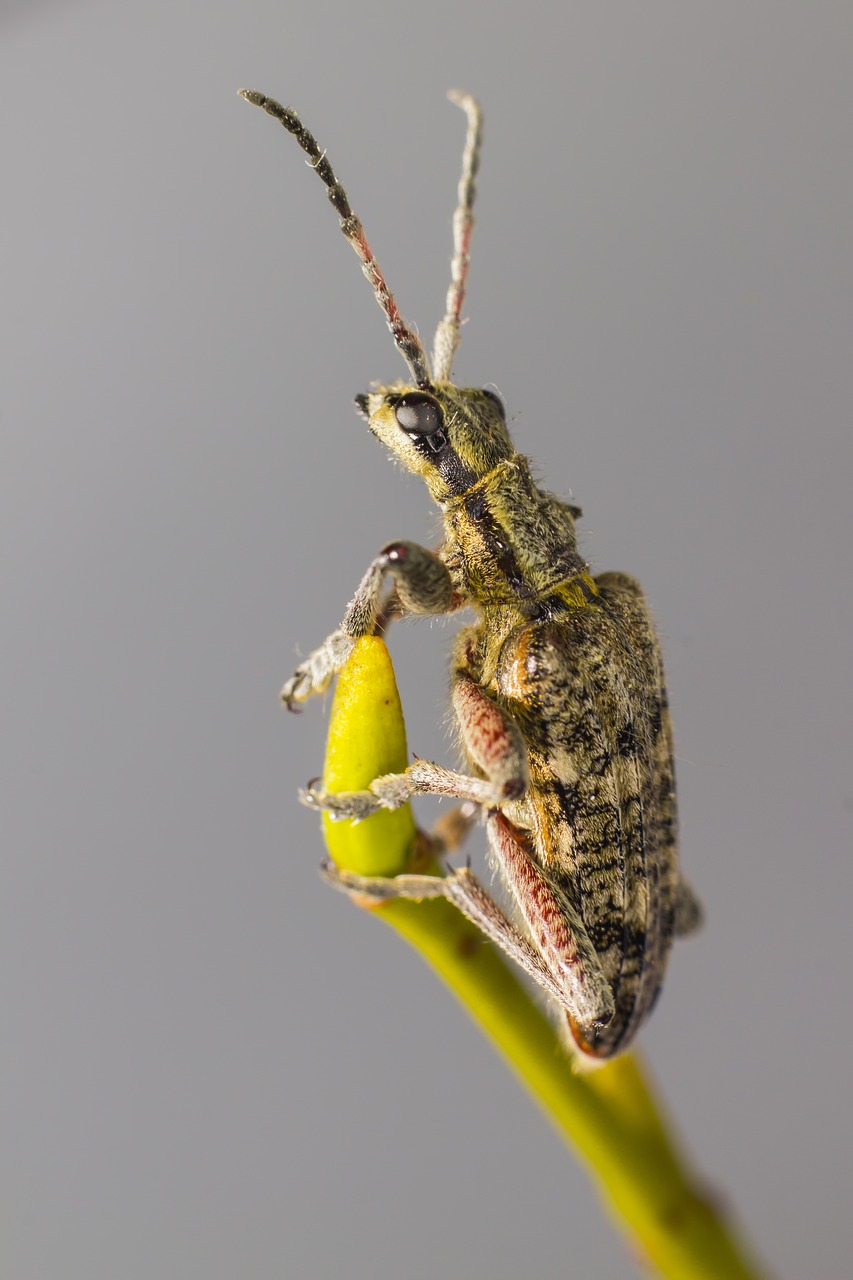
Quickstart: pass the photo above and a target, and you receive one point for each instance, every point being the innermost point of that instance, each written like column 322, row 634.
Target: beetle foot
column 313, row 675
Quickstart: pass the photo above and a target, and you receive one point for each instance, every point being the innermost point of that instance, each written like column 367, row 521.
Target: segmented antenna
column 408, row 342
column 448, row 332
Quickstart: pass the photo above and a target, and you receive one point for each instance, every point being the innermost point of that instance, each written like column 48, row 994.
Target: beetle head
column 451, row 436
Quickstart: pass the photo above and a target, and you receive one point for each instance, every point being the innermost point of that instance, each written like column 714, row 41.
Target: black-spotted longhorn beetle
column 557, row 686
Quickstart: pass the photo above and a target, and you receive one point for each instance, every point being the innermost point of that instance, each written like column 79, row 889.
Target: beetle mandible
column 557, row 686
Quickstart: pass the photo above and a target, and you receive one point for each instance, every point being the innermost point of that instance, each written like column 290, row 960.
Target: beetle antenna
column 447, row 334
column 408, row 342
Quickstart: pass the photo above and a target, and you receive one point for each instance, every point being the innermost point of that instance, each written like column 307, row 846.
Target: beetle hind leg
column 555, row 927
column 688, row 911
column 564, row 964
column 463, row 889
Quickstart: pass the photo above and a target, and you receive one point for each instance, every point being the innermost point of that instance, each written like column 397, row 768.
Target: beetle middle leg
column 422, row 585
column 493, row 742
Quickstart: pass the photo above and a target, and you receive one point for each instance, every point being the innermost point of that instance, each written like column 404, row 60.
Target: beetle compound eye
column 496, row 401
column 420, row 416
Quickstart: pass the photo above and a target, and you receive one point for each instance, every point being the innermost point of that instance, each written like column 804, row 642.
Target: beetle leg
column 555, row 926
column 463, row 889
column 688, row 910
column 565, row 966
column 451, row 829
column 422, row 585
column 393, row 790
column 492, row 741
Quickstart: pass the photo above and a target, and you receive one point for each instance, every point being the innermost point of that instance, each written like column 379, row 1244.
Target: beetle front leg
column 422, row 584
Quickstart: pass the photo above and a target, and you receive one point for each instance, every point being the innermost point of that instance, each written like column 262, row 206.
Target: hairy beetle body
column 557, row 686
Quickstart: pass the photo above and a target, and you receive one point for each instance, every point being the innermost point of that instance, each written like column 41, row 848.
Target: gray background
column 214, row 1066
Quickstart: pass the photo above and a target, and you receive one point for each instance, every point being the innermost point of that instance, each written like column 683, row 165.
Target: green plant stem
column 608, row 1114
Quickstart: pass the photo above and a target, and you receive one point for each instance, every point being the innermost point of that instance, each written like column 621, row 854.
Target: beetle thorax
column 509, row 542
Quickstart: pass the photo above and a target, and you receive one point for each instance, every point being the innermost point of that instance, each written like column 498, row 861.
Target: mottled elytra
column 557, row 683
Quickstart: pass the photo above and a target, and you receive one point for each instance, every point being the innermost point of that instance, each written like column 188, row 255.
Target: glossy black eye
column 496, row 401
column 418, row 414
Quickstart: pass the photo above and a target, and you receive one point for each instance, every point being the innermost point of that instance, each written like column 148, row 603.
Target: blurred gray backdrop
column 215, row 1067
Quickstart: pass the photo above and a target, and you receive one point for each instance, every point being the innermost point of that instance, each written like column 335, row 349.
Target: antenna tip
column 466, row 101
column 252, row 95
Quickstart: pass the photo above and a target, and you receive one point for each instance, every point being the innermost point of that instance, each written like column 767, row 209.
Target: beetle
column 557, row 686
